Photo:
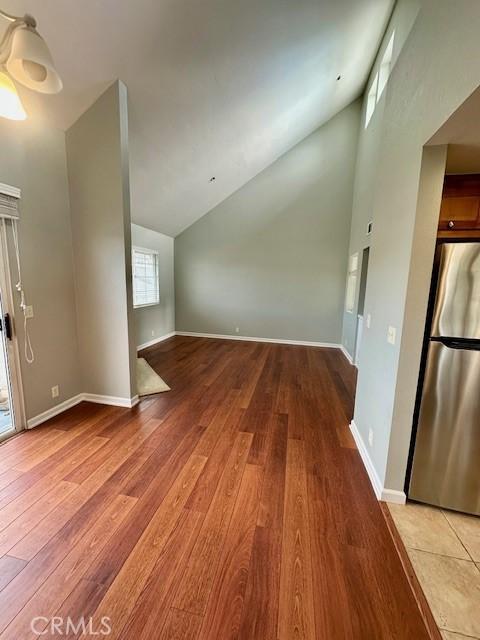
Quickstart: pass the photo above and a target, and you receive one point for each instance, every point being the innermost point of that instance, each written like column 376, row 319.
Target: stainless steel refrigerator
column 446, row 459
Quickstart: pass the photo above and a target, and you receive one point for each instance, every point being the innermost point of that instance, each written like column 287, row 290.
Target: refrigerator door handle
column 459, row 343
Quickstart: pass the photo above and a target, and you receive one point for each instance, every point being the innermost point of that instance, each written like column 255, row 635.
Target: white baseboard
column 347, row 355
column 394, row 496
column 367, row 462
column 81, row 397
column 218, row 336
column 115, row 401
column 150, row 343
column 54, row 411
column 385, row 495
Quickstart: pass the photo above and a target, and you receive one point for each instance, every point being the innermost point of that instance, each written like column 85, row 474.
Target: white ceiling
column 216, row 87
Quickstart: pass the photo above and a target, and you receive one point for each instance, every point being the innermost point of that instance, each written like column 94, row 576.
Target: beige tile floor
column 444, row 548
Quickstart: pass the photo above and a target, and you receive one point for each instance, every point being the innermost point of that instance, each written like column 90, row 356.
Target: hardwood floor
column 234, row 506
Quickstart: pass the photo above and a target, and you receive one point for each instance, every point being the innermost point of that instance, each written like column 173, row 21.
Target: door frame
column 14, row 370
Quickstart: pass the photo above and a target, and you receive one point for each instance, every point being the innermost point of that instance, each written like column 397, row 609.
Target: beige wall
column 433, row 74
column 155, row 321
column 425, row 235
column 100, row 211
column 32, row 157
column 369, row 145
column 272, row 258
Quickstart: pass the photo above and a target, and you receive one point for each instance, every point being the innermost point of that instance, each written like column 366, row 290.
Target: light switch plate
column 391, row 335
column 369, row 320
column 28, row 311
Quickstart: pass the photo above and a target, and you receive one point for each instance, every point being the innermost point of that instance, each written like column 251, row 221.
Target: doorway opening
column 7, row 416
column 12, row 408
column 361, row 302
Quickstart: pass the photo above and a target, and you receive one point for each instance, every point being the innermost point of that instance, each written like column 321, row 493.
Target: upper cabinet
column 460, row 210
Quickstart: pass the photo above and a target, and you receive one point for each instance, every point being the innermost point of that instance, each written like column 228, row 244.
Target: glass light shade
column 30, row 62
column 10, row 104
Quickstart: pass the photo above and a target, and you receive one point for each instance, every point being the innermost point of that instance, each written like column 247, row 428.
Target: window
column 145, row 277
column 371, row 101
column 384, row 71
column 379, row 81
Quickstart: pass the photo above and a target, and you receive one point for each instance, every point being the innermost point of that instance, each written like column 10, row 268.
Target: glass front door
column 7, row 414
column 12, row 411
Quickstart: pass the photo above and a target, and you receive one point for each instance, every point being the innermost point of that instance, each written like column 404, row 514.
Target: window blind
column 9, row 201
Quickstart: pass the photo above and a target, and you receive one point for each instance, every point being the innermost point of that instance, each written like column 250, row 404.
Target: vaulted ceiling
column 217, row 88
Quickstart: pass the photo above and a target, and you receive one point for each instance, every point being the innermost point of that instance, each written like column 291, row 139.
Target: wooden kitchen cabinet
column 460, row 209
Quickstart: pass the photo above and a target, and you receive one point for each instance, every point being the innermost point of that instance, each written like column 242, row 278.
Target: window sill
column 148, row 304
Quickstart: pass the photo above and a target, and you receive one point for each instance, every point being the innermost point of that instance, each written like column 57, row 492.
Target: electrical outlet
column 369, row 320
column 370, row 437
column 28, row 311
column 237, row 329
column 391, row 335
column 153, row 332
column 55, row 391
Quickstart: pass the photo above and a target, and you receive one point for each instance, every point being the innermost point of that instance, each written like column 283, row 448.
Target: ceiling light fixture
column 25, row 56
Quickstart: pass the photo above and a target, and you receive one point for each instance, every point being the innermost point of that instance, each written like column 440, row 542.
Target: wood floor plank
column 253, row 377
column 148, row 472
column 61, row 582
column 115, row 423
column 181, row 625
column 120, row 599
column 225, row 605
column 117, row 449
column 202, row 495
column 44, row 452
column 65, row 441
column 10, row 535
column 152, row 607
column 72, row 418
column 19, row 456
column 116, row 554
column 8, row 476
column 24, row 441
column 78, row 607
column 260, row 614
column 50, row 471
column 194, row 592
column 51, row 524
column 328, row 545
column 270, row 513
column 296, row 617
column 120, row 455
column 17, row 593
column 214, row 426
column 21, row 503
column 261, row 602
column 72, row 456
column 9, row 568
